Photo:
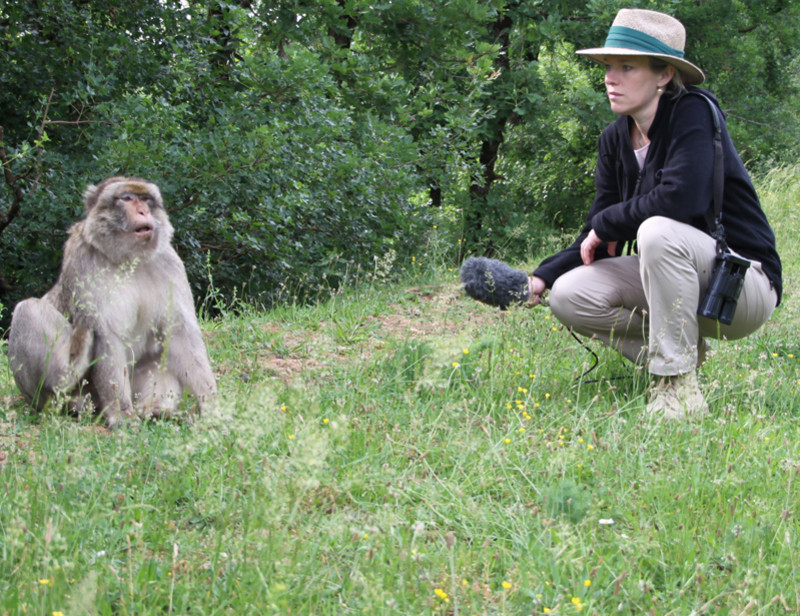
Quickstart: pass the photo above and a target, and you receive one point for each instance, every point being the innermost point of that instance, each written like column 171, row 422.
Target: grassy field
column 400, row 449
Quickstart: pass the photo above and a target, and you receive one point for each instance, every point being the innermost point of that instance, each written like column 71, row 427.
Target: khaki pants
column 645, row 306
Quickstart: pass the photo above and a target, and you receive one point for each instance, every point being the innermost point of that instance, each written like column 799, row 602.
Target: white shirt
column 641, row 154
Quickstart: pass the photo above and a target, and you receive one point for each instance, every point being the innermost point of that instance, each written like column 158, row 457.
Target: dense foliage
column 302, row 139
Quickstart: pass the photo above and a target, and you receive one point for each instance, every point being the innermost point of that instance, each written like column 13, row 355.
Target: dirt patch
column 288, row 369
column 16, row 443
column 419, row 314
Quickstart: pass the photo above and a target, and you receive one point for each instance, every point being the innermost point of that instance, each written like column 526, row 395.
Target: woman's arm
column 607, row 192
column 683, row 189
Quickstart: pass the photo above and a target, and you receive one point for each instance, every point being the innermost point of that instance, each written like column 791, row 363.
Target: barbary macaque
column 119, row 326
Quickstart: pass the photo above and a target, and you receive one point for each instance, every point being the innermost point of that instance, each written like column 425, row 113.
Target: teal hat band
column 628, row 38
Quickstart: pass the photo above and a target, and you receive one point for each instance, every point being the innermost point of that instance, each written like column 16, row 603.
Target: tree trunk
column 478, row 217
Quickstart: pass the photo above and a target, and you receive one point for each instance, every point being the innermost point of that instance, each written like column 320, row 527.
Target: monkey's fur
column 119, row 325
column 493, row 282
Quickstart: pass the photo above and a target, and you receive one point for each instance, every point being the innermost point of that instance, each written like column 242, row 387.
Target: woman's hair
column 675, row 87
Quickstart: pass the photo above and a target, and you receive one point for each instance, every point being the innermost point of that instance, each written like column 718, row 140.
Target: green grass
column 400, row 449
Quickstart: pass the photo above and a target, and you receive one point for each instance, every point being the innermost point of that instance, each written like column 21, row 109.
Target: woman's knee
column 656, row 233
column 562, row 299
column 591, row 292
column 574, row 296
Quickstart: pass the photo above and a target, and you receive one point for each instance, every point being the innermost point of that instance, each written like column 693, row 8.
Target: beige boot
column 677, row 397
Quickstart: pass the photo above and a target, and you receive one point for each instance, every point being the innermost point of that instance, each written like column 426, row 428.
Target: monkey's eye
column 129, row 196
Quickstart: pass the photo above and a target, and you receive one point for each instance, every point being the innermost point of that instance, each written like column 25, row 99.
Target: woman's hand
column 590, row 243
column 537, row 287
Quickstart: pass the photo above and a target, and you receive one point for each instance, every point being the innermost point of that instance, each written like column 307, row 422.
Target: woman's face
column 632, row 85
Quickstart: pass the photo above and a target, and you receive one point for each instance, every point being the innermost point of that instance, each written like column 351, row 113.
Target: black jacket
column 676, row 182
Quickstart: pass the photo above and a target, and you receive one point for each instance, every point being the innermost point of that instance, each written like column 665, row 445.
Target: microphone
column 494, row 283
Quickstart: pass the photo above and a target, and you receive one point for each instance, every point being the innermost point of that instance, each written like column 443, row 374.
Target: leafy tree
column 275, row 184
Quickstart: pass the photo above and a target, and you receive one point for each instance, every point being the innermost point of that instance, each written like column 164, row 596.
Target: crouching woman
column 654, row 194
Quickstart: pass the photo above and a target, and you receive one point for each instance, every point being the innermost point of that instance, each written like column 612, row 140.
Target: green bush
column 276, row 197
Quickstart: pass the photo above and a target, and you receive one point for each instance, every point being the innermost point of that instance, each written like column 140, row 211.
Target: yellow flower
column 506, row 585
column 325, row 420
column 456, row 364
column 44, row 582
column 291, row 437
column 587, row 583
column 58, row 613
column 465, row 351
column 589, row 446
column 441, row 594
column 546, row 610
column 507, row 441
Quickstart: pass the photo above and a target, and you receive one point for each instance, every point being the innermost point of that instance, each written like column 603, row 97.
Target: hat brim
column 690, row 74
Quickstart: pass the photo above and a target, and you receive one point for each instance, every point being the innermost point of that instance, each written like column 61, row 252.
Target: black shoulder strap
column 714, row 219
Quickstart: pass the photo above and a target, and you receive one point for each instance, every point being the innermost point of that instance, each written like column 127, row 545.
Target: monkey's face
column 135, row 207
column 126, row 218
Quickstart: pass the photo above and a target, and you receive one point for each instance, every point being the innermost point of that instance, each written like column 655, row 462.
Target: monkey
column 119, row 327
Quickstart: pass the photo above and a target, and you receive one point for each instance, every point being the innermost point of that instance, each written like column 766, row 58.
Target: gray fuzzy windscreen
column 493, row 282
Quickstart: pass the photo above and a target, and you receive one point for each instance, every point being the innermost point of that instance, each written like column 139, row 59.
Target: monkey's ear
column 90, row 196
column 93, row 192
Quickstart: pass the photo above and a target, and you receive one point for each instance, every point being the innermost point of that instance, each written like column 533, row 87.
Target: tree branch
column 75, row 122
column 748, row 120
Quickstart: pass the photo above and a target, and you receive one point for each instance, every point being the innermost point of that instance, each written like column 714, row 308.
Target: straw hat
column 639, row 32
